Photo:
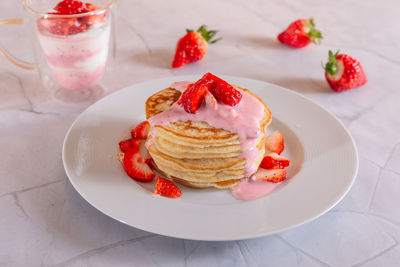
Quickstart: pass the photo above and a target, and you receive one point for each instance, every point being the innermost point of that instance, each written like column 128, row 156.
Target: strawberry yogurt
column 75, row 48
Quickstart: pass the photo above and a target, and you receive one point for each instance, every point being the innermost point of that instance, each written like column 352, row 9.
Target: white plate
column 323, row 155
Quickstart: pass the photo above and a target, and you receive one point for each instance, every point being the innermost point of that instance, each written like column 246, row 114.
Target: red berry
column 193, row 46
column 274, row 161
column 193, row 96
column 272, row 175
column 224, row 92
column 166, row 188
column 300, row 33
column 136, row 167
column 274, row 142
column 69, row 7
column 344, row 72
column 129, row 144
column 141, row 131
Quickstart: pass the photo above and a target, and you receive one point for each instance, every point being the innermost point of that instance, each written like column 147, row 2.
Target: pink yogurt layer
column 253, row 189
column 242, row 119
column 77, row 61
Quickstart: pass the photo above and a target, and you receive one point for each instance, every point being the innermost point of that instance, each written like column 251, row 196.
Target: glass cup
column 71, row 51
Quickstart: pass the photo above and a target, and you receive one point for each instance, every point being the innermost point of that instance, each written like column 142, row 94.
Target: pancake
column 194, row 153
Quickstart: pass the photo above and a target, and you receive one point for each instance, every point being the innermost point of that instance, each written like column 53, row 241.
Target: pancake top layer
column 242, row 123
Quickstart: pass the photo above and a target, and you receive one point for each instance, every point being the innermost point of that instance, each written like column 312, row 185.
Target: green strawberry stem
column 331, row 65
column 314, row 34
column 207, row 35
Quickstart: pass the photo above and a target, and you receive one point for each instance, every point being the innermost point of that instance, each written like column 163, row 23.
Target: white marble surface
column 43, row 220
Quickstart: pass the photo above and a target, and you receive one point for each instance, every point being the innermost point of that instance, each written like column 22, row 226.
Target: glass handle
column 18, row 62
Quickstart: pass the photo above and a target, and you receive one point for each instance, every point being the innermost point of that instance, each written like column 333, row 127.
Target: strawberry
column 272, row 175
column 136, row 167
column 193, row 46
column 300, row 33
column 224, row 92
column 141, row 131
column 344, row 72
column 129, row 144
column 274, row 142
column 69, row 26
column 193, row 96
column 166, row 188
column 69, row 7
column 274, row 161
column 210, row 100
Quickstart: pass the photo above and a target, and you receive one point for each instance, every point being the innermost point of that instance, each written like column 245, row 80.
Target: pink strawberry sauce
column 242, row 119
column 253, row 189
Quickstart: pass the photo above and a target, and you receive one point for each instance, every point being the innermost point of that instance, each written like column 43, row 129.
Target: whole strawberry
column 300, row 33
column 193, row 46
column 344, row 72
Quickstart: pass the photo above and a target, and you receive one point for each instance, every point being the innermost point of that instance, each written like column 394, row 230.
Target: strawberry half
column 224, row 92
column 136, row 167
column 274, row 161
column 344, row 72
column 193, row 46
column 166, row 188
column 300, row 33
column 272, row 175
column 193, row 96
column 129, row 144
column 141, row 131
column 274, row 142
column 210, row 100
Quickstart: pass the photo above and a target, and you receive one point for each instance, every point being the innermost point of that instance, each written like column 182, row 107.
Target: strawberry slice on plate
column 136, row 167
column 129, row 144
column 344, row 72
column 271, row 175
column 275, row 142
column 166, row 188
column 274, row 161
column 300, row 33
column 141, row 131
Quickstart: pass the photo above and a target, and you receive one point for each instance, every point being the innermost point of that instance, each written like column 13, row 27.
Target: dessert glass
column 71, row 51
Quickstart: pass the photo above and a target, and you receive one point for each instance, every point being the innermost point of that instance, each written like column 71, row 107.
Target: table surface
column 45, row 222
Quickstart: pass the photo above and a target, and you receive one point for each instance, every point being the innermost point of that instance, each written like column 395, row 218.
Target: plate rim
column 226, row 77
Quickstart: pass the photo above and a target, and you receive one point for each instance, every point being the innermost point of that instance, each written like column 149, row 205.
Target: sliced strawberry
column 272, row 175
column 274, row 142
column 136, row 167
column 166, row 188
column 141, row 131
column 343, row 72
column 210, row 100
column 129, row 144
column 193, row 96
column 224, row 92
column 69, row 7
column 193, row 46
column 274, row 161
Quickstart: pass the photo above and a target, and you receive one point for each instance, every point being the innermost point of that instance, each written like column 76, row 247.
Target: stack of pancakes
column 194, row 153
